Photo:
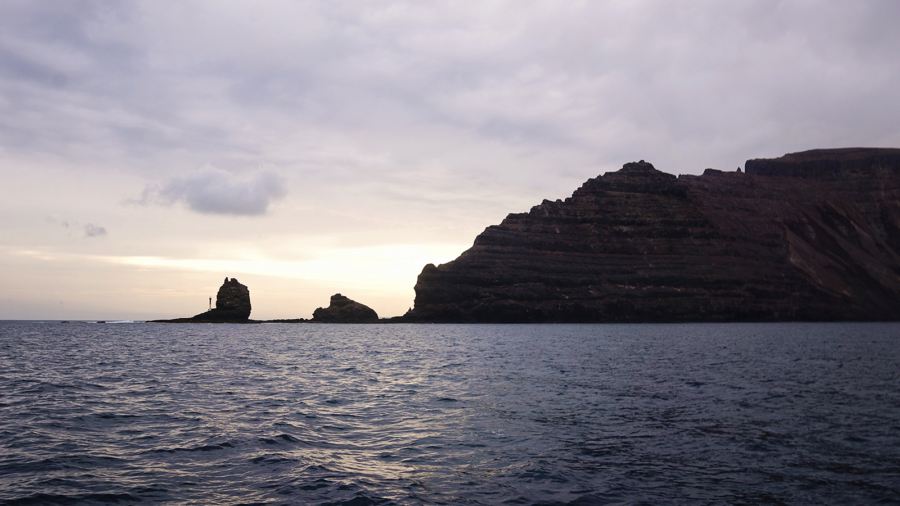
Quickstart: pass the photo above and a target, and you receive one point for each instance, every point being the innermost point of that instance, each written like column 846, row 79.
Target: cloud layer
column 592, row 83
column 213, row 191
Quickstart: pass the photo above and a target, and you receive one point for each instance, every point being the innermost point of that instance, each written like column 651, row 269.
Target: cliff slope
column 811, row 236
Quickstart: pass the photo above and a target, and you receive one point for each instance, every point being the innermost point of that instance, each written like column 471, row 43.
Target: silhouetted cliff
column 232, row 303
column 809, row 236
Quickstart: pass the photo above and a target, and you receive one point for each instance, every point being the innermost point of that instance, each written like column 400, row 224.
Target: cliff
column 344, row 310
column 812, row 236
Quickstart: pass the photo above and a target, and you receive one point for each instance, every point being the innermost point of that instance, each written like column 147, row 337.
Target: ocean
column 149, row 413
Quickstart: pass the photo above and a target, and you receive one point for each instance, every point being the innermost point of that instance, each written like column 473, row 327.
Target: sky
column 149, row 149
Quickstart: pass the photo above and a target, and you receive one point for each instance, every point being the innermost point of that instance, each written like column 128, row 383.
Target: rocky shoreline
column 810, row 236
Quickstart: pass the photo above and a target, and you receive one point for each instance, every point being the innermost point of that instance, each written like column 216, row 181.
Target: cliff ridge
column 811, row 236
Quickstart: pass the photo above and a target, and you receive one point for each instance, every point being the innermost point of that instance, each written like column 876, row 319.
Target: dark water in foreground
column 449, row 414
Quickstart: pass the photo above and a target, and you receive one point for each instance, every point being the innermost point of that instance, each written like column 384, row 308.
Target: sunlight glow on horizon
column 375, row 266
column 381, row 277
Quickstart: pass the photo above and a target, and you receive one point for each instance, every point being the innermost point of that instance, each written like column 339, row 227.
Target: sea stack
column 811, row 236
column 232, row 304
column 344, row 310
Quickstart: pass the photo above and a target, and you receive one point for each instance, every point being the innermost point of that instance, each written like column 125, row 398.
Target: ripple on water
column 449, row 414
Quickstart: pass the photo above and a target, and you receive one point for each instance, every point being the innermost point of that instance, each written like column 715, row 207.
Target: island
column 810, row 236
column 344, row 310
column 232, row 306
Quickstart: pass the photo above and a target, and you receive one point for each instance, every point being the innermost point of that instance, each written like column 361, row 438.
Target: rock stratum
column 811, row 236
column 344, row 310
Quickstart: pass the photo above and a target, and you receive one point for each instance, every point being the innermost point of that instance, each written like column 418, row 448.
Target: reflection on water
column 450, row 414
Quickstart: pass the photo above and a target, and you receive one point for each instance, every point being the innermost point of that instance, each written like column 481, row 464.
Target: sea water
column 151, row 413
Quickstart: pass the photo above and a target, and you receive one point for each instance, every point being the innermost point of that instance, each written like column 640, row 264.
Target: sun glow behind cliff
column 382, row 277
column 379, row 266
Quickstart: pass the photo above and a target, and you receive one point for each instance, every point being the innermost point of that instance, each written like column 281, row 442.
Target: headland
column 809, row 236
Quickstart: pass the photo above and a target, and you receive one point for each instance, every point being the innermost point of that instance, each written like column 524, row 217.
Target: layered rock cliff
column 811, row 236
column 344, row 310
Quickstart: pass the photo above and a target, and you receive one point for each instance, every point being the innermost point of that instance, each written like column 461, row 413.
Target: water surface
column 449, row 414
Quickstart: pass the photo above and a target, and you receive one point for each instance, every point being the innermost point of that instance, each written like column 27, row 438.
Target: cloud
column 55, row 220
column 214, row 191
column 144, row 85
column 91, row 230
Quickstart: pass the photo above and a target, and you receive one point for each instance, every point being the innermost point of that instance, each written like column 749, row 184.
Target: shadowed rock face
column 344, row 310
column 810, row 236
column 232, row 303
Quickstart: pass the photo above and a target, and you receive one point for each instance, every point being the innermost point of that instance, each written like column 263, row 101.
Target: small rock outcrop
column 811, row 236
column 344, row 310
column 232, row 304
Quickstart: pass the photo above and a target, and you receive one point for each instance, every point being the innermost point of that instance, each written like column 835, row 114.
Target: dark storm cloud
column 213, row 191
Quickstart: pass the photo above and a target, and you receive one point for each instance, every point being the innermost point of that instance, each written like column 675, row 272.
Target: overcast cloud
column 407, row 122
column 692, row 83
